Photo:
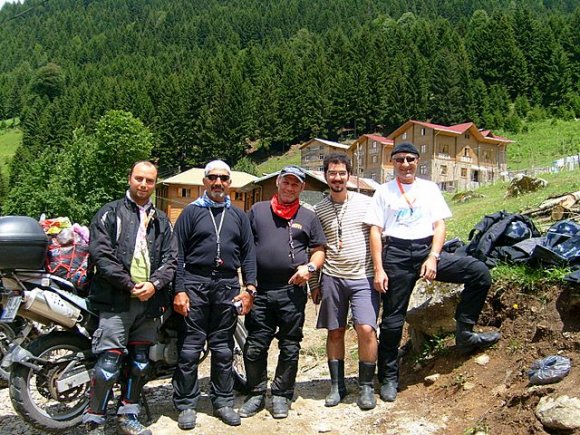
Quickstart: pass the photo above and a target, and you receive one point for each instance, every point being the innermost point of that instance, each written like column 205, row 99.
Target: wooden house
column 312, row 152
column 174, row 193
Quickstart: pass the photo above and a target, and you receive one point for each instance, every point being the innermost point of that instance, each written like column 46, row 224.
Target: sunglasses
column 214, row 177
column 407, row 159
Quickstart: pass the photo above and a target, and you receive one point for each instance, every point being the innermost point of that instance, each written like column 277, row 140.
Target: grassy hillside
column 542, row 142
column 275, row 163
column 10, row 139
column 466, row 215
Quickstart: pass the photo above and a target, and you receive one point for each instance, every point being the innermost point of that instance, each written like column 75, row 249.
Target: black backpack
column 490, row 237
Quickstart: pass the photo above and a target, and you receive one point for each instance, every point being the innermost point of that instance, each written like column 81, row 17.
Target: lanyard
column 218, row 230
column 409, row 202
column 339, row 219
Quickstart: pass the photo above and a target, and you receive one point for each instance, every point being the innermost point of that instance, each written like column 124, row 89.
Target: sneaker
column 252, row 406
column 228, row 416
column 389, row 391
column 279, row 407
column 186, row 419
column 128, row 424
column 92, row 428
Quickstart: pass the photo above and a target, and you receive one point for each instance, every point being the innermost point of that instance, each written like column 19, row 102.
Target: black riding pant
column 276, row 313
column 402, row 260
column 212, row 317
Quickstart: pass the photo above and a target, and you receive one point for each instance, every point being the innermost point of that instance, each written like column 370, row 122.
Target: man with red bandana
column 289, row 244
column 407, row 218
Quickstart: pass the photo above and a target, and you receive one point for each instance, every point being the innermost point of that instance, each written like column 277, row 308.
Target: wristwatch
column 435, row 254
column 252, row 292
column 311, row 267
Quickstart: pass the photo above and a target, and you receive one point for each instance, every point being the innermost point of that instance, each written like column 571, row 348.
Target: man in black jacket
column 214, row 240
column 135, row 257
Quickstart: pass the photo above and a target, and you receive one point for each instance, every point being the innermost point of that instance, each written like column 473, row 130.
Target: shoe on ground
column 129, row 424
column 335, row 396
column 186, row 419
column 252, row 406
column 228, row 416
column 366, row 398
column 94, row 428
column 279, row 407
column 467, row 341
column 389, row 391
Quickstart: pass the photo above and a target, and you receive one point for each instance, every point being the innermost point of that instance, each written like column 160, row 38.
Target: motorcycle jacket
column 113, row 233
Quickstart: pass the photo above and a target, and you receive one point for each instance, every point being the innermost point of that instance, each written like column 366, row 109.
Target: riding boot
column 467, row 341
column 366, row 373
column 337, row 386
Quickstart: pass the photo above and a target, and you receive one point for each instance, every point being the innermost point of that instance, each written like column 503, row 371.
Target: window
column 321, row 156
column 465, row 152
column 404, row 136
column 423, row 132
column 321, row 168
column 423, row 169
column 183, row 192
column 239, row 196
column 464, row 172
column 444, row 170
column 423, row 149
column 467, row 136
column 445, row 149
column 374, row 176
column 375, row 159
column 306, row 158
column 374, row 145
column 486, row 155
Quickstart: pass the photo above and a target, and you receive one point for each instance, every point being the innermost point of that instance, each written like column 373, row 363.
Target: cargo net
column 68, row 251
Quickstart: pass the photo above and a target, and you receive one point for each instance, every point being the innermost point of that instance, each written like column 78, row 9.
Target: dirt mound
column 489, row 392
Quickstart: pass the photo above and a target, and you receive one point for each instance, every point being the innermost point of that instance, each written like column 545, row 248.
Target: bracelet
column 434, row 254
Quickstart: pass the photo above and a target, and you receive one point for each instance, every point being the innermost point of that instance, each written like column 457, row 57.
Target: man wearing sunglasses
column 214, row 240
column 289, row 248
column 407, row 218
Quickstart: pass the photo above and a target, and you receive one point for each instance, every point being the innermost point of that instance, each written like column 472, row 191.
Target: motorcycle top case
column 23, row 243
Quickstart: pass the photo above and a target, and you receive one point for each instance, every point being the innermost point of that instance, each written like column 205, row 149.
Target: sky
column 6, row 1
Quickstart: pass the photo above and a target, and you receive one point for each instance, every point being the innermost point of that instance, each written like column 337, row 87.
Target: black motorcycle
column 50, row 375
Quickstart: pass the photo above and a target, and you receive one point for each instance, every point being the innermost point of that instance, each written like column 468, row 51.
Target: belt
column 210, row 272
column 407, row 242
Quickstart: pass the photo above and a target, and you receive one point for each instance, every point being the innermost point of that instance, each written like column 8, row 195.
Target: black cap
column 405, row 147
column 294, row 170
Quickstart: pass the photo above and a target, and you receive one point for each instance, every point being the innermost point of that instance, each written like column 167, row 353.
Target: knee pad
column 105, row 374
column 138, row 370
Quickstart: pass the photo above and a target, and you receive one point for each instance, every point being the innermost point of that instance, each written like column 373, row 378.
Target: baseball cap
column 297, row 171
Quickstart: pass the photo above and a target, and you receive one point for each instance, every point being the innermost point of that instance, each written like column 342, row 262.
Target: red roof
column 380, row 139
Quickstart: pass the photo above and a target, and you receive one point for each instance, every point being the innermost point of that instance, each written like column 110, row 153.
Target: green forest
column 97, row 83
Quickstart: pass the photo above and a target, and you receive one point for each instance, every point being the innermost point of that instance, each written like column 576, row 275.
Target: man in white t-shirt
column 407, row 218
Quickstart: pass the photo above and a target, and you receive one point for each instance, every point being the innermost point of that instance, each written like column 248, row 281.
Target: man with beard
column 214, row 240
column 134, row 254
column 285, row 233
column 408, row 214
column 347, row 280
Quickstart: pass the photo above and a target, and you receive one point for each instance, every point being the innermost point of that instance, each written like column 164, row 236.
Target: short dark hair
column 337, row 159
column 145, row 162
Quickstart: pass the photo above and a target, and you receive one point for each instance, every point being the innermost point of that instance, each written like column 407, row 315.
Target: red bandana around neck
column 285, row 211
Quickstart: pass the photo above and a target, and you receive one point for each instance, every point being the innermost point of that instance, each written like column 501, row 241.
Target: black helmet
column 560, row 232
column 516, row 232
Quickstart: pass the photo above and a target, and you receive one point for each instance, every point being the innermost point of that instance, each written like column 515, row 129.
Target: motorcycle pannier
column 23, row 243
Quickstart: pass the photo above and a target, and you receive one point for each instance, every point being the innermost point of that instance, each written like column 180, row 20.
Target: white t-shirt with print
column 410, row 216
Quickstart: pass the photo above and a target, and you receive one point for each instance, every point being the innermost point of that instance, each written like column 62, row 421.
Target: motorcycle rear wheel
column 34, row 394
